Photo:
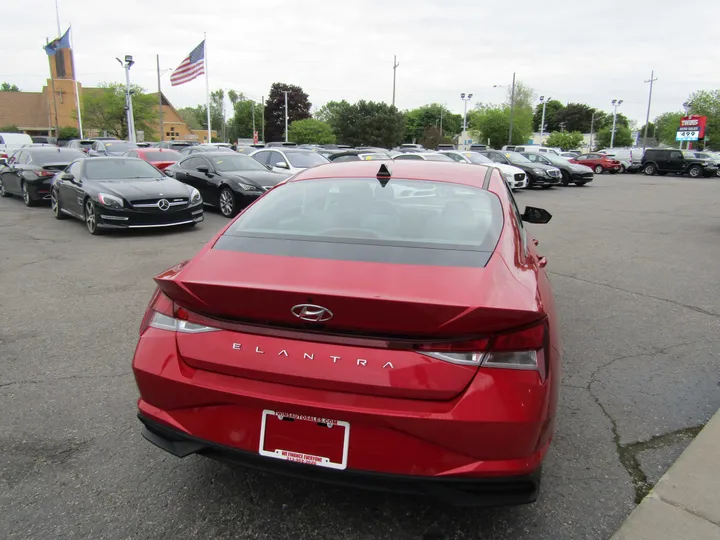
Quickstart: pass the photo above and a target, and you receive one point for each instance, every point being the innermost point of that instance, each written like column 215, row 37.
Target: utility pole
column 647, row 118
column 286, row 114
column 395, row 66
column 252, row 106
column 592, row 125
column 128, row 98
column 542, row 122
column 615, row 103
column 512, row 110
column 262, row 100
column 162, row 130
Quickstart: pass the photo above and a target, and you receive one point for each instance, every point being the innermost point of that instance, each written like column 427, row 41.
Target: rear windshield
column 119, row 146
column 407, row 221
column 165, row 155
column 61, row 155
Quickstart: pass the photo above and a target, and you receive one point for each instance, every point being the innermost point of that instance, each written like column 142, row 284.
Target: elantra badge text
column 361, row 362
column 312, row 313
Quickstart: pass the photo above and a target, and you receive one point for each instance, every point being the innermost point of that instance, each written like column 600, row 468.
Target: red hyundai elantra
column 162, row 158
column 381, row 325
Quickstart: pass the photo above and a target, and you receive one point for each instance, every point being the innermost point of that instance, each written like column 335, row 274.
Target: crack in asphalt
column 644, row 295
column 55, row 379
column 628, row 452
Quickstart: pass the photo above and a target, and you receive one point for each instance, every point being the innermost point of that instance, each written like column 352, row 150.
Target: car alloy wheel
column 598, row 169
column 91, row 218
column 622, row 169
column 695, row 171
column 650, row 169
column 55, row 206
column 27, row 199
column 227, row 202
column 565, row 178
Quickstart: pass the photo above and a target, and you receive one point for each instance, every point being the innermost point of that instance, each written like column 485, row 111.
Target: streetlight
column 615, row 103
column 286, row 115
column 128, row 100
column 465, row 98
column 542, row 122
column 512, row 106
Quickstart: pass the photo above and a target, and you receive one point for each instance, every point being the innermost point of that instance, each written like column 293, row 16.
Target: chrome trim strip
column 197, row 212
column 116, row 218
column 162, row 225
column 154, row 205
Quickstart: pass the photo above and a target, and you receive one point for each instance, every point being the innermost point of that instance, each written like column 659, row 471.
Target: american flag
column 192, row 67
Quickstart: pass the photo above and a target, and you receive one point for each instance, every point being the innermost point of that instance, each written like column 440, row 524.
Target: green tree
column 10, row 129
column 298, row 109
column 707, row 103
column 623, row 137
column 418, row 120
column 552, row 109
column 522, row 113
column 7, row 87
column 367, row 123
column 234, row 97
column 330, row 111
column 217, row 111
column 490, row 122
column 576, row 117
column 667, row 125
column 68, row 132
column 241, row 125
column 104, row 110
column 524, row 96
column 190, row 116
column 311, row 131
column 568, row 140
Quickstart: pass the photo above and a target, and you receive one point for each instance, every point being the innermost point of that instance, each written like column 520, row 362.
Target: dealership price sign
column 692, row 128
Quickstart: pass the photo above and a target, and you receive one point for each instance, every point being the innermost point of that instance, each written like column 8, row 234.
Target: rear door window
column 406, row 222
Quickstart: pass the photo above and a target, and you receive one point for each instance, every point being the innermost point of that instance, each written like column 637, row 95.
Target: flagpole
column 52, row 86
column 161, row 101
column 77, row 87
column 57, row 16
column 207, row 90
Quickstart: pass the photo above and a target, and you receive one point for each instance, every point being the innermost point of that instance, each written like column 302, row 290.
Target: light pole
column 615, row 103
column 512, row 106
column 542, row 122
column 465, row 98
column 128, row 99
column 286, row 115
column 592, row 125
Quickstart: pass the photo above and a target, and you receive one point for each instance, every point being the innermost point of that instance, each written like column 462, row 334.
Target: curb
column 685, row 503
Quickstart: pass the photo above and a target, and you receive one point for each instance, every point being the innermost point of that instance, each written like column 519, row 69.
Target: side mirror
column 203, row 169
column 68, row 177
column 281, row 165
column 536, row 215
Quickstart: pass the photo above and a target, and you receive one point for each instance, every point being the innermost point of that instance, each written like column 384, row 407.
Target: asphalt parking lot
column 635, row 266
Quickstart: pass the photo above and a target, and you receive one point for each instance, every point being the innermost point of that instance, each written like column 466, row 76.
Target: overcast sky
column 344, row 50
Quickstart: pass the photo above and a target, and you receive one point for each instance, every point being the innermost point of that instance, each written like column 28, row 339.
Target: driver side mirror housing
column 281, row 165
column 536, row 215
column 67, row 176
column 204, row 169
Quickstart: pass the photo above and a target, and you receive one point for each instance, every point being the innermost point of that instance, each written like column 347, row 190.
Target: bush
column 311, row 131
column 565, row 140
column 10, row 129
column 67, row 133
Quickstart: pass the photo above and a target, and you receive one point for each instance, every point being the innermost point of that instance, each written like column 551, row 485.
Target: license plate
column 304, row 439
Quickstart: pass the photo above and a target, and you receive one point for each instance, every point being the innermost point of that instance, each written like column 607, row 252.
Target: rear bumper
column 495, row 432
column 455, row 491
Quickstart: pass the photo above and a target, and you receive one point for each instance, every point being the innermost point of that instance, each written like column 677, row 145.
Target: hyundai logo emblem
column 163, row 204
column 312, row 313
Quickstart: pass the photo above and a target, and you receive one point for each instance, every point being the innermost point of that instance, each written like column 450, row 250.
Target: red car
column 162, row 158
column 382, row 326
column 598, row 163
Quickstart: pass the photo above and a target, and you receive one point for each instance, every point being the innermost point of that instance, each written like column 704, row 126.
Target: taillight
column 524, row 349
column 41, row 174
column 163, row 314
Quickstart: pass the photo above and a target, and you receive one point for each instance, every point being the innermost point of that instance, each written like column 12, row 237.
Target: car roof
column 435, row 171
column 212, row 154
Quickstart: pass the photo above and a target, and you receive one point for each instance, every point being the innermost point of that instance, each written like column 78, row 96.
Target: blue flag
column 59, row 43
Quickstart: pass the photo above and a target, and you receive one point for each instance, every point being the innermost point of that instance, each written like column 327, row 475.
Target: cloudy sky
column 344, row 50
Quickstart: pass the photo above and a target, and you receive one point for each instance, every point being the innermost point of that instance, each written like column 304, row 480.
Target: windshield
column 119, row 146
column 410, row 212
column 119, row 169
column 62, row 155
column 474, row 157
column 514, row 157
column 555, row 160
column 164, row 155
column 236, row 163
column 438, row 157
column 304, row 160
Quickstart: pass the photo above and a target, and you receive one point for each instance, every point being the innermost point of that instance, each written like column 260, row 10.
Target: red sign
column 255, row 136
column 694, row 123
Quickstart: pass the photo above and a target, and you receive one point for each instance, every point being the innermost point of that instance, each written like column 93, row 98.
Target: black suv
column 668, row 160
